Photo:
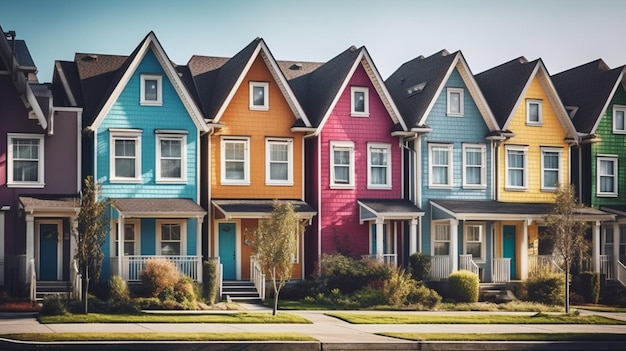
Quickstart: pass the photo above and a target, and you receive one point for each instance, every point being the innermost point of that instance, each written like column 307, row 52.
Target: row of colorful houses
column 434, row 159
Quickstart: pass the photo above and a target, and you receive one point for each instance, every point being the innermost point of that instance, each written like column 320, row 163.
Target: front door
column 50, row 253
column 228, row 250
column 508, row 246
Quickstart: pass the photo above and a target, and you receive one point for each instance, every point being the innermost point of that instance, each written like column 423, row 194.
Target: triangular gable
column 129, row 68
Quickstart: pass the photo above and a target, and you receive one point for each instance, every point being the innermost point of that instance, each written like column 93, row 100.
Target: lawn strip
column 609, row 309
column 398, row 318
column 247, row 336
column 507, row 336
column 238, row 317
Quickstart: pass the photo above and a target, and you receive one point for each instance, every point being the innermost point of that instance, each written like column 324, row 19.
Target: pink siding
column 339, row 220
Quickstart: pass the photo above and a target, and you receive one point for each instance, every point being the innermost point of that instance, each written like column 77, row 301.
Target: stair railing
column 467, row 263
column 621, row 273
column 77, row 282
column 257, row 277
column 32, row 280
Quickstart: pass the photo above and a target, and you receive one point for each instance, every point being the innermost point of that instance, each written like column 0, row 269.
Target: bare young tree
column 567, row 231
column 275, row 244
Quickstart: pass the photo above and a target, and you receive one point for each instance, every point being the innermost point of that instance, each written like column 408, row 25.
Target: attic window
column 259, row 99
column 416, row 89
column 151, row 90
column 296, row 67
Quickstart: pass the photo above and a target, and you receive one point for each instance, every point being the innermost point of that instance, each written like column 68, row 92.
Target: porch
column 133, row 265
column 613, row 268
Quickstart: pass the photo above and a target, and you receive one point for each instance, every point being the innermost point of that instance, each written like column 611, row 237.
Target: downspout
column 208, row 181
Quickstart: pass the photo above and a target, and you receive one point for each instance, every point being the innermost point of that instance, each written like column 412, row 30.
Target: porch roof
column 619, row 211
column 496, row 210
column 370, row 209
column 50, row 203
column 158, row 208
column 258, row 208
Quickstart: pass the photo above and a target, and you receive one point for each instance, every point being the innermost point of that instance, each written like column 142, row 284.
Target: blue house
column 142, row 144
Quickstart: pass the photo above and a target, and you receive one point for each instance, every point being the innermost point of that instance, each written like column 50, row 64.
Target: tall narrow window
column 441, row 244
column 607, row 241
column 607, row 176
column 125, row 155
column 130, row 243
column 534, row 112
column 474, row 241
column 440, row 162
column 379, row 165
column 342, row 164
column 279, row 156
column 235, row 161
column 170, row 235
column 474, row 169
column 151, row 90
column 619, row 119
column 550, row 168
column 25, row 160
column 259, row 96
column 360, row 101
column 455, row 102
column 171, row 158
column 516, row 167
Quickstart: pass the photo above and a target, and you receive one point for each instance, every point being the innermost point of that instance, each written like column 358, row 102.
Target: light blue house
column 451, row 158
column 142, row 143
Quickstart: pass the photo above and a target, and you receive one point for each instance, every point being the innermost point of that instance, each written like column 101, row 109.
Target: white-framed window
column 171, row 158
column 455, row 102
column 125, row 159
column 607, row 241
column 550, row 168
column 474, row 166
column 516, row 167
column 379, row 165
column 534, row 114
column 440, row 165
column 131, row 238
column 235, row 160
column 359, row 101
column 619, row 119
column 279, row 158
column 606, row 182
column 441, row 239
column 473, row 241
column 171, row 237
column 259, row 96
column 151, row 90
column 341, row 164
column 25, row 160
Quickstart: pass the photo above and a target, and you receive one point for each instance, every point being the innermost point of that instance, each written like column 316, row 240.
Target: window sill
column 455, row 114
column 151, row 103
column 379, row 187
column 278, row 184
column 130, row 180
column 359, row 114
column 437, row 186
column 235, row 183
column 534, row 124
column 259, row 108
column 549, row 190
column 622, row 132
column 515, row 189
column 173, row 181
column 26, row 185
column 474, row 187
column 606, row 195
column 340, row 186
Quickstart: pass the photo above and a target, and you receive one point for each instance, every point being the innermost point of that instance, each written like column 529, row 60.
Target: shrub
column 419, row 266
column 548, row 289
column 589, row 286
column 209, row 281
column 463, row 286
column 148, row 303
column 397, row 287
column 158, row 275
column 185, row 289
column 423, row 297
column 349, row 275
column 53, row 305
column 118, row 290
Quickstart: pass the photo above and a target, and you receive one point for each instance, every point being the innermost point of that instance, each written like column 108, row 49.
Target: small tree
column 566, row 231
column 274, row 245
column 90, row 234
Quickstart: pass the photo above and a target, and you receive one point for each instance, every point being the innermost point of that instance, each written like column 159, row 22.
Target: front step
column 239, row 291
column 46, row 288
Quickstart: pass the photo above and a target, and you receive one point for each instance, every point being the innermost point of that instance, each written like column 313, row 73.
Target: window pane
column 442, row 249
column 234, row 151
column 359, row 101
column 171, row 148
column 235, row 170
column 533, row 112
column 150, row 89
column 170, row 239
column 279, row 171
column 171, row 168
column 125, row 168
column 279, row 152
column 258, row 96
column 170, row 249
column 475, row 249
column 455, row 102
column 619, row 120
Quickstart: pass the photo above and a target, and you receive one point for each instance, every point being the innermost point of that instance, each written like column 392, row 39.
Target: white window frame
column 559, row 151
column 183, row 158
column 136, row 240
column 159, row 80
column 183, row 234
column 125, row 134
column 266, row 96
column 431, row 166
column 246, row 167
column 481, row 227
column 435, row 239
column 370, row 166
column 39, row 183
column 366, row 102
column 524, row 150
column 449, row 93
column 268, row 161
column 615, row 176
column 483, row 166
column 342, row 145
column 539, row 104
column 622, row 109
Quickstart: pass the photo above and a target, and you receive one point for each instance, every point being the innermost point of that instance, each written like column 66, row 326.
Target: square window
column 25, row 160
column 171, row 158
column 440, row 164
column 379, row 165
column 619, row 123
column 235, row 161
column 474, row 168
column 342, row 164
column 279, row 156
column 259, row 96
column 455, row 102
column 534, row 112
column 516, row 167
column 125, row 160
column 550, row 168
column 606, row 182
column 151, row 86
column 359, row 105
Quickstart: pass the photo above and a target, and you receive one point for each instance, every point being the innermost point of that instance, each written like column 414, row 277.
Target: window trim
column 137, row 233
column 388, row 166
column 621, row 108
column 183, row 158
column 351, row 172
column 268, row 161
column 449, row 92
column 482, row 226
column 539, row 103
column 434, row 240
column 40, row 183
column 559, row 151
column 615, row 160
column 366, row 104
column 508, row 185
column 483, row 166
column 266, row 96
column 142, row 90
column 183, row 234
column 125, row 134
column 450, row 148
column 246, row 167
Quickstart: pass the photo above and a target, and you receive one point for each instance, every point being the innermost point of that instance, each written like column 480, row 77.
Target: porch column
column 413, row 239
column 454, row 245
column 2, row 255
column 379, row 238
column 73, row 245
column 199, row 248
column 524, row 252
column 616, row 243
column 121, row 235
column 595, row 246
column 30, row 244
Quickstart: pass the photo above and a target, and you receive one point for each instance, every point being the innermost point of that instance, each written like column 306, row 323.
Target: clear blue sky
column 564, row 33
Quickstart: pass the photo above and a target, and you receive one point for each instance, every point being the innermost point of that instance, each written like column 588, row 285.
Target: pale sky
column 564, row 33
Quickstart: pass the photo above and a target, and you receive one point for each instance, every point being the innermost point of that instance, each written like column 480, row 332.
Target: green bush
column 423, row 297
column 589, row 286
column 419, row 266
column 548, row 288
column 159, row 274
column 209, row 281
column 463, row 286
column 397, row 287
column 349, row 275
column 53, row 305
column 118, row 290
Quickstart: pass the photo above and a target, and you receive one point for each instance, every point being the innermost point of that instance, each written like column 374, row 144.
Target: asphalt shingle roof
column 157, row 205
column 392, row 206
column 259, row 205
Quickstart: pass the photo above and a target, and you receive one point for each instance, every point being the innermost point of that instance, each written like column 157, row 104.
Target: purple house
column 39, row 175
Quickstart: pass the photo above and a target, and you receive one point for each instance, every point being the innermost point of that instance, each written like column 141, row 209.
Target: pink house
column 354, row 160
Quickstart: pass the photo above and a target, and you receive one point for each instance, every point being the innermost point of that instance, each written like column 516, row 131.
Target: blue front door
column 48, row 251
column 508, row 246
column 227, row 250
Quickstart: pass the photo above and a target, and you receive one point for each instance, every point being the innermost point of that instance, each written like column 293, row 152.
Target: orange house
column 254, row 153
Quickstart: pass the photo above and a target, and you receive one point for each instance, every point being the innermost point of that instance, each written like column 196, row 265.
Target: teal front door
column 508, row 247
column 228, row 250
column 48, row 250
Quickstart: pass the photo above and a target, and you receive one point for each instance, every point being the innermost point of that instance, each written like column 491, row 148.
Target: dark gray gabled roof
column 257, row 208
column 588, row 88
column 391, row 206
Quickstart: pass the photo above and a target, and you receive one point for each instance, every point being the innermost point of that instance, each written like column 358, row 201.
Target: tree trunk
column 85, row 288
column 567, row 287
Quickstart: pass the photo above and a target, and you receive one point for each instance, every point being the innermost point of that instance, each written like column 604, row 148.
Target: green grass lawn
column 507, row 336
column 478, row 318
column 234, row 317
column 51, row 337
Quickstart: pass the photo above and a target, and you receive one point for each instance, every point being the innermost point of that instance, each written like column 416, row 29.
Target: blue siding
column 148, row 236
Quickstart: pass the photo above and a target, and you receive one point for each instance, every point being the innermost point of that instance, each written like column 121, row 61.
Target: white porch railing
column 467, row 263
column 32, row 292
column 440, row 267
column 621, row 273
column 389, row 259
column 77, row 282
column 501, row 270
column 606, row 266
column 133, row 265
column 542, row 263
column 257, row 277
